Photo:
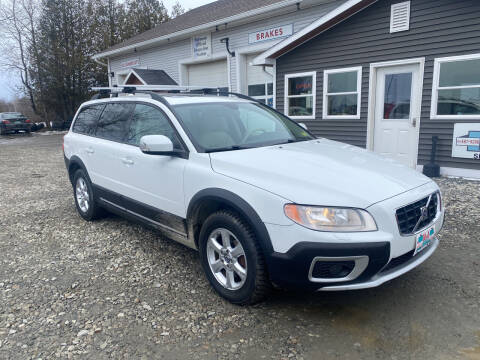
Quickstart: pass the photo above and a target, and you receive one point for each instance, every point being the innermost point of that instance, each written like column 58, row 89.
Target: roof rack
column 153, row 91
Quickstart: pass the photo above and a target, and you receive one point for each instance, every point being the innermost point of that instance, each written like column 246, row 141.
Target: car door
column 84, row 130
column 106, row 148
column 155, row 181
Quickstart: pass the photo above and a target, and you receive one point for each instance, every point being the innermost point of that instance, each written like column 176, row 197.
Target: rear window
column 114, row 120
column 86, row 120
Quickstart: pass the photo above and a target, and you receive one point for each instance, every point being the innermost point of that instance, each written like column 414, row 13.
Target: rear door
column 105, row 151
column 81, row 141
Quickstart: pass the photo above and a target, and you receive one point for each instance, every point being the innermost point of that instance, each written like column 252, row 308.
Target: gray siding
column 438, row 28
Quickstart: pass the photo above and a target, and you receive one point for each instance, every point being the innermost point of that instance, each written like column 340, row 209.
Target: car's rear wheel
column 232, row 260
column 84, row 197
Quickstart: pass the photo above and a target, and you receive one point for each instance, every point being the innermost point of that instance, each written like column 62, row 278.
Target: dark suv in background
column 14, row 122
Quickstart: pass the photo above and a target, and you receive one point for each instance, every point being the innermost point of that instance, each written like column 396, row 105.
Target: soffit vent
column 400, row 17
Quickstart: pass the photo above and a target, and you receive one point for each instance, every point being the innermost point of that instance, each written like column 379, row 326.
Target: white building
column 192, row 48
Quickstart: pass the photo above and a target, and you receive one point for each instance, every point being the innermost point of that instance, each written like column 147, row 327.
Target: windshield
column 230, row 126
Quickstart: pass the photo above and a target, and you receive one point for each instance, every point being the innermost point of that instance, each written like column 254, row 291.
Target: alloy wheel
column 81, row 192
column 226, row 258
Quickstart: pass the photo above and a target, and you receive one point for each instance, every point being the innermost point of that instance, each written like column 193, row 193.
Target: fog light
column 332, row 269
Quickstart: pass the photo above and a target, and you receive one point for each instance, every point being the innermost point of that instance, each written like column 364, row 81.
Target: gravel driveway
column 113, row 289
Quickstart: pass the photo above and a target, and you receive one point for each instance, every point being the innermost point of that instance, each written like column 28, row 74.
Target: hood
column 319, row 172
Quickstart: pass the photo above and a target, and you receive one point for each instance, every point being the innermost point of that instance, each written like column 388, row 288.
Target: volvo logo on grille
column 424, row 212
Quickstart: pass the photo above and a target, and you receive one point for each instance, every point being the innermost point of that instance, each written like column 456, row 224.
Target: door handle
column 127, row 161
column 414, row 122
column 89, row 150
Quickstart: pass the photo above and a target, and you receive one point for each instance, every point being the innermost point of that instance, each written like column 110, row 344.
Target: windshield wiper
column 228, row 148
column 289, row 141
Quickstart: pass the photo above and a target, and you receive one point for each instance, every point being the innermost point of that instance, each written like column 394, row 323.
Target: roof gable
column 149, row 77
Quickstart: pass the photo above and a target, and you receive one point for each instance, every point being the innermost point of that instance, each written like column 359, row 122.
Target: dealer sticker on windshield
column 424, row 239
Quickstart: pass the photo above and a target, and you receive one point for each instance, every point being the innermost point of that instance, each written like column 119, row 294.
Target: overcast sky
column 8, row 81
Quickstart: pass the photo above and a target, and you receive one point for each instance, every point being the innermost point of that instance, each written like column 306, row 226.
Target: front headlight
column 331, row 218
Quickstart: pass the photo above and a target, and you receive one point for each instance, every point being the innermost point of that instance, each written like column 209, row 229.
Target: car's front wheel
column 232, row 259
column 84, row 199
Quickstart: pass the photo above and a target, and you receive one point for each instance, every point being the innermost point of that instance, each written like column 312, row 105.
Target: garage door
column 210, row 74
column 259, row 83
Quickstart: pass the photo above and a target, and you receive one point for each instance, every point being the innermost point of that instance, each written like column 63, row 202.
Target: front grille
column 398, row 261
column 332, row 269
column 409, row 216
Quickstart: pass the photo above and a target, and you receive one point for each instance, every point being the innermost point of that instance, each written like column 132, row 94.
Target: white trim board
column 469, row 174
column 372, row 91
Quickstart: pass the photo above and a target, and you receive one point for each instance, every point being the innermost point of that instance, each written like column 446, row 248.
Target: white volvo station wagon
column 262, row 199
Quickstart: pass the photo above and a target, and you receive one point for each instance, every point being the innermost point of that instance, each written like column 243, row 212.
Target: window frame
column 326, row 73
column 436, row 82
column 313, row 74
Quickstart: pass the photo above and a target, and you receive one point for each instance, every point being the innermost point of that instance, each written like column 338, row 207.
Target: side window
column 86, row 120
column 148, row 120
column 114, row 121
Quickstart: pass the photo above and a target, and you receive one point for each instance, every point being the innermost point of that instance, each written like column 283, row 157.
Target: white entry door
column 397, row 112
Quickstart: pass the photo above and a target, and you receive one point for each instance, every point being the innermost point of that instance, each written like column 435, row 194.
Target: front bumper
column 376, row 257
column 293, row 269
column 387, row 275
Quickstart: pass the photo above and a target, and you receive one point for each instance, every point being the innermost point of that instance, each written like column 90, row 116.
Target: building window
column 262, row 92
column 342, row 93
column 456, row 88
column 300, row 94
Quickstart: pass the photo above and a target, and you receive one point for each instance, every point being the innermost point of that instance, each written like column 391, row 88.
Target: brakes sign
column 270, row 34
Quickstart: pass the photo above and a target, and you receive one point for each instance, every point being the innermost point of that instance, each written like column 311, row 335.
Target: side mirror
column 303, row 125
column 159, row 145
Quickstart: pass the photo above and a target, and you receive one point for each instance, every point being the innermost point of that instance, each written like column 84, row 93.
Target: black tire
column 94, row 211
column 3, row 131
column 257, row 284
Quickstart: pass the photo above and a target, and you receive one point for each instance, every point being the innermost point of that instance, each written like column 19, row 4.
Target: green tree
column 177, row 9
column 142, row 15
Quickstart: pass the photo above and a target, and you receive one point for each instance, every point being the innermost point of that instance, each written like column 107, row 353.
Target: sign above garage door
column 201, row 46
column 270, row 34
